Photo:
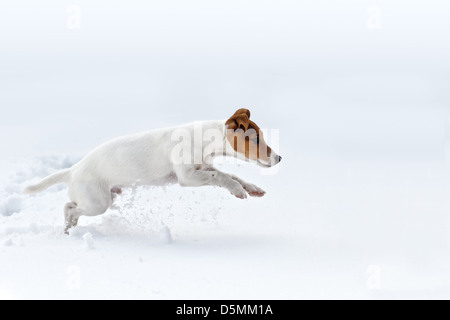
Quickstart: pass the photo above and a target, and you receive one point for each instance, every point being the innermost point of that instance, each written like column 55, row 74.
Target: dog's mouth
column 265, row 165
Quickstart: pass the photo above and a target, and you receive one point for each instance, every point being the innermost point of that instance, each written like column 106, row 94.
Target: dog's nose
column 279, row 158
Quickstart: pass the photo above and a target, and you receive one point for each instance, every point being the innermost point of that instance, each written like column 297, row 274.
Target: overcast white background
column 358, row 89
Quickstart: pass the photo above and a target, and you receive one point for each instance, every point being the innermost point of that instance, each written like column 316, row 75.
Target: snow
column 13, row 204
column 359, row 207
column 319, row 240
column 89, row 241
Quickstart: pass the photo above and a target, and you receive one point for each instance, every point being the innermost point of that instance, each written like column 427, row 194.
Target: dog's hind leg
column 87, row 201
column 115, row 192
column 71, row 215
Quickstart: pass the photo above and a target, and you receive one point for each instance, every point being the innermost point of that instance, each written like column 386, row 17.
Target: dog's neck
column 220, row 146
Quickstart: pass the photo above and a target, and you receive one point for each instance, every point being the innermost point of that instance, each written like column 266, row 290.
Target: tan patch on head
column 246, row 137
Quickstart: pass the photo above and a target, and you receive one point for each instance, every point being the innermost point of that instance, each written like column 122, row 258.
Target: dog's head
column 247, row 140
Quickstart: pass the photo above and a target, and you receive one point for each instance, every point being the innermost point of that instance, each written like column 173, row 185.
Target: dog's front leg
column 191, row 176
column 252, row 189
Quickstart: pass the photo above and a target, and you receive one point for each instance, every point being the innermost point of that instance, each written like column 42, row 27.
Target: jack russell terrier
column 159, row 158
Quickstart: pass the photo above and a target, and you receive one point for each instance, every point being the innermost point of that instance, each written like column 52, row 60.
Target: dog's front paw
column 240, row 194
column 238, row 191
column 253, row 190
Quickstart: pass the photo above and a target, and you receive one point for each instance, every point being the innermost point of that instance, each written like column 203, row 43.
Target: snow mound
column 89, row 241
column 13, row 204
column 164, row 236
column 8, row 243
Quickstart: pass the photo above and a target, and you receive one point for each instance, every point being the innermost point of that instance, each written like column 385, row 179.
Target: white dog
column 159, row 158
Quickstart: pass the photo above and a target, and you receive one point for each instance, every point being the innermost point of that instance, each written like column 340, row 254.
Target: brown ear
column 240, row 120
column 243, row 110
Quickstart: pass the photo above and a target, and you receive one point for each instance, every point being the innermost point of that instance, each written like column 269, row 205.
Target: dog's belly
column 171, row 178
column 142, row 180
column 168, row 179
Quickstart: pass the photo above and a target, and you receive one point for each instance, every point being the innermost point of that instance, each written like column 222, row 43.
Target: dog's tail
column 59, row 177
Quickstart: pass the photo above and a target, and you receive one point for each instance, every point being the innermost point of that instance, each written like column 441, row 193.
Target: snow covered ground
column 376, row 232
column 359, row 207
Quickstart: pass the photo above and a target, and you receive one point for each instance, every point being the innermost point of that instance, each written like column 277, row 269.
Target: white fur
column 143, row 159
